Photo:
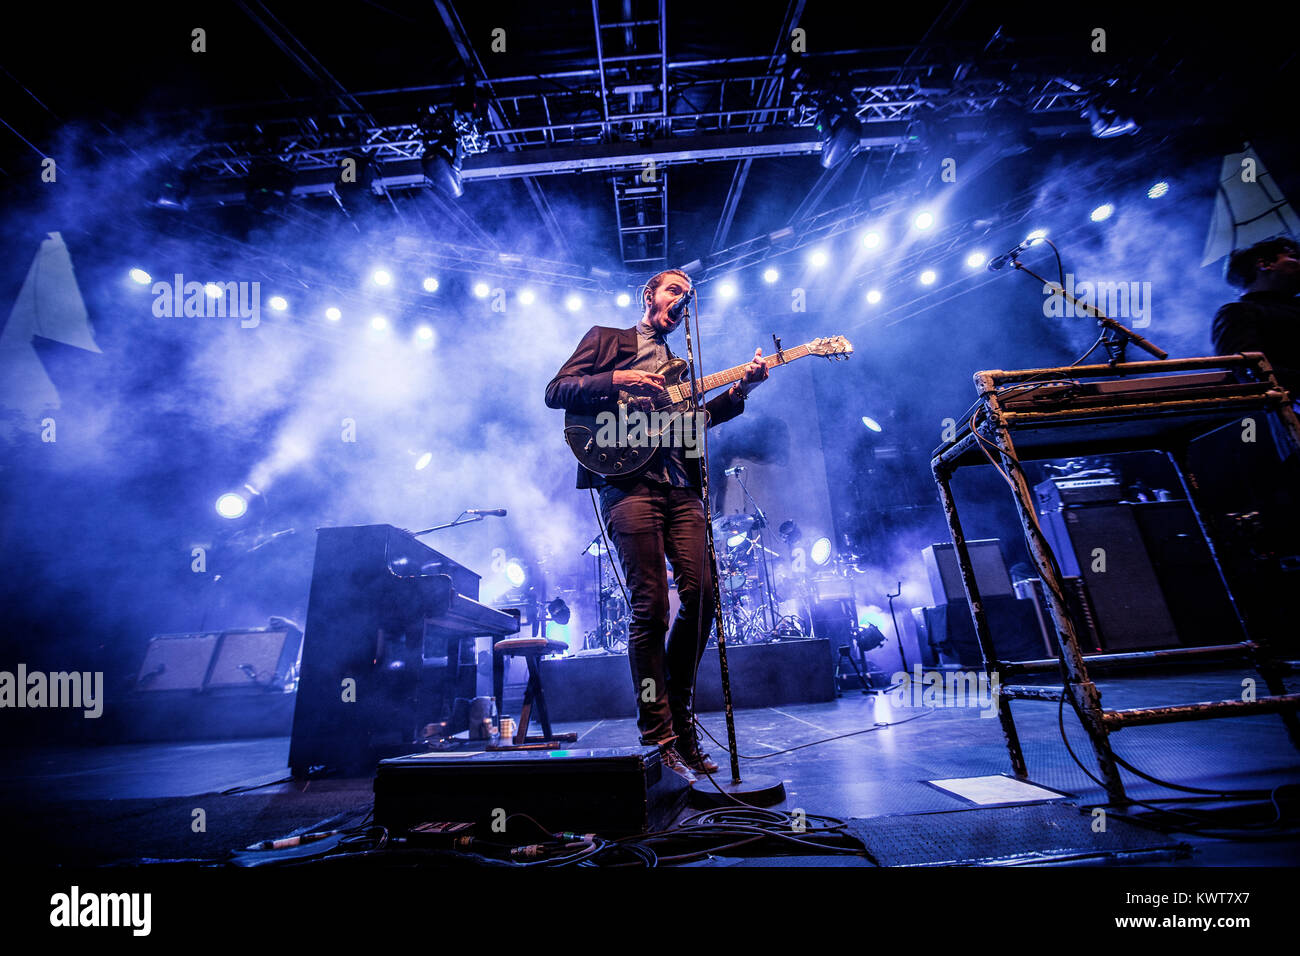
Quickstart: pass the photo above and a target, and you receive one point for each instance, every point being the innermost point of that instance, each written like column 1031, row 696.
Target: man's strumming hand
column 637, row 381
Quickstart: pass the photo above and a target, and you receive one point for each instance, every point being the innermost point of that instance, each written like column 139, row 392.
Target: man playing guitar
column 658, row 512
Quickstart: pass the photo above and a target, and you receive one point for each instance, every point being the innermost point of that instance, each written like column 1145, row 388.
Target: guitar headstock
column 832, row 347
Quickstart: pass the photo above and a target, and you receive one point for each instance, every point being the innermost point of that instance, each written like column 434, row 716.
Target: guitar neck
column 717, row 380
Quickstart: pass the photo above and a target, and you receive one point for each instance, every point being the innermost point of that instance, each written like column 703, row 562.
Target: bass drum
column 735, row 576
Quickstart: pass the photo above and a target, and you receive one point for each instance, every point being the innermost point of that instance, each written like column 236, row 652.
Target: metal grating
column 1036, row 833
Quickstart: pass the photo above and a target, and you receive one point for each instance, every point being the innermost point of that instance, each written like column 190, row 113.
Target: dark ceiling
column 131, row 78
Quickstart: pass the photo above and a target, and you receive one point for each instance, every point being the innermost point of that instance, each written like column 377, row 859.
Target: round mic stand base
column 717, row 790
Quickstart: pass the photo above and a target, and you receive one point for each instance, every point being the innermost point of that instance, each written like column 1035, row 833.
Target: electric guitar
column 619, row 442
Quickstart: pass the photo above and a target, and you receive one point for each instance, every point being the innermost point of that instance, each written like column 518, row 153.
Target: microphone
column 730, row 472
column 499, row 512
column 998, row 262
column 677, row 308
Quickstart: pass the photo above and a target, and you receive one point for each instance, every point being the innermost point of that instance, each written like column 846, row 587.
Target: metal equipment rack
column 1140, row 406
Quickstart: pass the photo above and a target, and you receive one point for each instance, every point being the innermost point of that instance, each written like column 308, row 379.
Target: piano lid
column 380, row 546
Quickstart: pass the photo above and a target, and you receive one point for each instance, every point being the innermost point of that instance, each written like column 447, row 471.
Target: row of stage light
column 871, row 239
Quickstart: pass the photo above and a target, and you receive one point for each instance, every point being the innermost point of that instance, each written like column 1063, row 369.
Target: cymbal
column 732, row 524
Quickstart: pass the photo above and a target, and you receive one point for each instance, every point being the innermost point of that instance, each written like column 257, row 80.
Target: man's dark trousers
column 647, row 522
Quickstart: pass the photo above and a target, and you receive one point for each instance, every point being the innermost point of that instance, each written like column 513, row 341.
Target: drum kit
column 751, row 608
column 613, row 613
column 744, row 579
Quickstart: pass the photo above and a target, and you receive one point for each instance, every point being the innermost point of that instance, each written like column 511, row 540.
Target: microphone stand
column 1115, row 336
column 451, row 524
column 760, row 790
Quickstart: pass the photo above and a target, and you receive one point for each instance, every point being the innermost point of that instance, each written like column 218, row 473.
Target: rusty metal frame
column 988, row 438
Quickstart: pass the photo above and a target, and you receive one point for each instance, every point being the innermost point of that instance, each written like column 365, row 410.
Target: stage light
column 928, row 277
column 269, row 186
column 770, row 276
column 443, row 153
column 481, row 290
column 1102, row 212
column 868, row 636
column 140, row 276
column 820, row 551
column 213, row 290
column 379, row 323
column 430, row 284
column 871, row 239
column 1157, row 190
column 573, row 303
column 231, row 505
column 1107, row 118
column 527, row 297
column 841, row 134
column 515, row 573
column 923, row 220
column 1036, row 235
column 174, row 190
column 279, row 303
column 871, row 423
column 558, row 610
column 818, row 258
column 873, row 296
column 424, row 336
column 790, row 533
column 976, row 259
column 422, row 462
column 623, row 300
column 381, row 277
column 333, row 313
column 727, row 289
column 353, row 193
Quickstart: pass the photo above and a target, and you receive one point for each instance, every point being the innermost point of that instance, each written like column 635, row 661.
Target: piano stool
column 531, row 649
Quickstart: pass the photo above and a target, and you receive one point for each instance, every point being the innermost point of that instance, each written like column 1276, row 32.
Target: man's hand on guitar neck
column 639, row 382
column 755, row 374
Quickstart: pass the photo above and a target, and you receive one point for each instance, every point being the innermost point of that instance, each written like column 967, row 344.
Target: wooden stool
column 531, row 649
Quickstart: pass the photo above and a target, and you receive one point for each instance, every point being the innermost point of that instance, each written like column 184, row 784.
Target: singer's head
column 661, row 292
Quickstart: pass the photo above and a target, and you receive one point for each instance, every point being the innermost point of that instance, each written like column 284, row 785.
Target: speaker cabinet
column 177, row 662
column 945, row 577
column 1148, row 572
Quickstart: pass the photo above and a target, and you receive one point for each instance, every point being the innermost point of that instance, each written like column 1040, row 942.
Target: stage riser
column 762, row 675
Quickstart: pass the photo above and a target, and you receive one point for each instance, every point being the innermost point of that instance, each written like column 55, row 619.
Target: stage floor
column 137, row 802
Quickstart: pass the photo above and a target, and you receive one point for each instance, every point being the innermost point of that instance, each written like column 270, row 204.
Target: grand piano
column 387, row 649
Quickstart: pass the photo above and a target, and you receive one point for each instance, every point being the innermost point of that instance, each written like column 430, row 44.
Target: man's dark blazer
column 585, row 384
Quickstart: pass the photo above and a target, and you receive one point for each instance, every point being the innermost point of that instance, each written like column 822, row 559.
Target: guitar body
column 619, row 442
column 582, row 432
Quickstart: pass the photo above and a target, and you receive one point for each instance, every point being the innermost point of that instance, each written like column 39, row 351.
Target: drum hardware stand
column 760, row 525
column 606, row 629
column 757, row 789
